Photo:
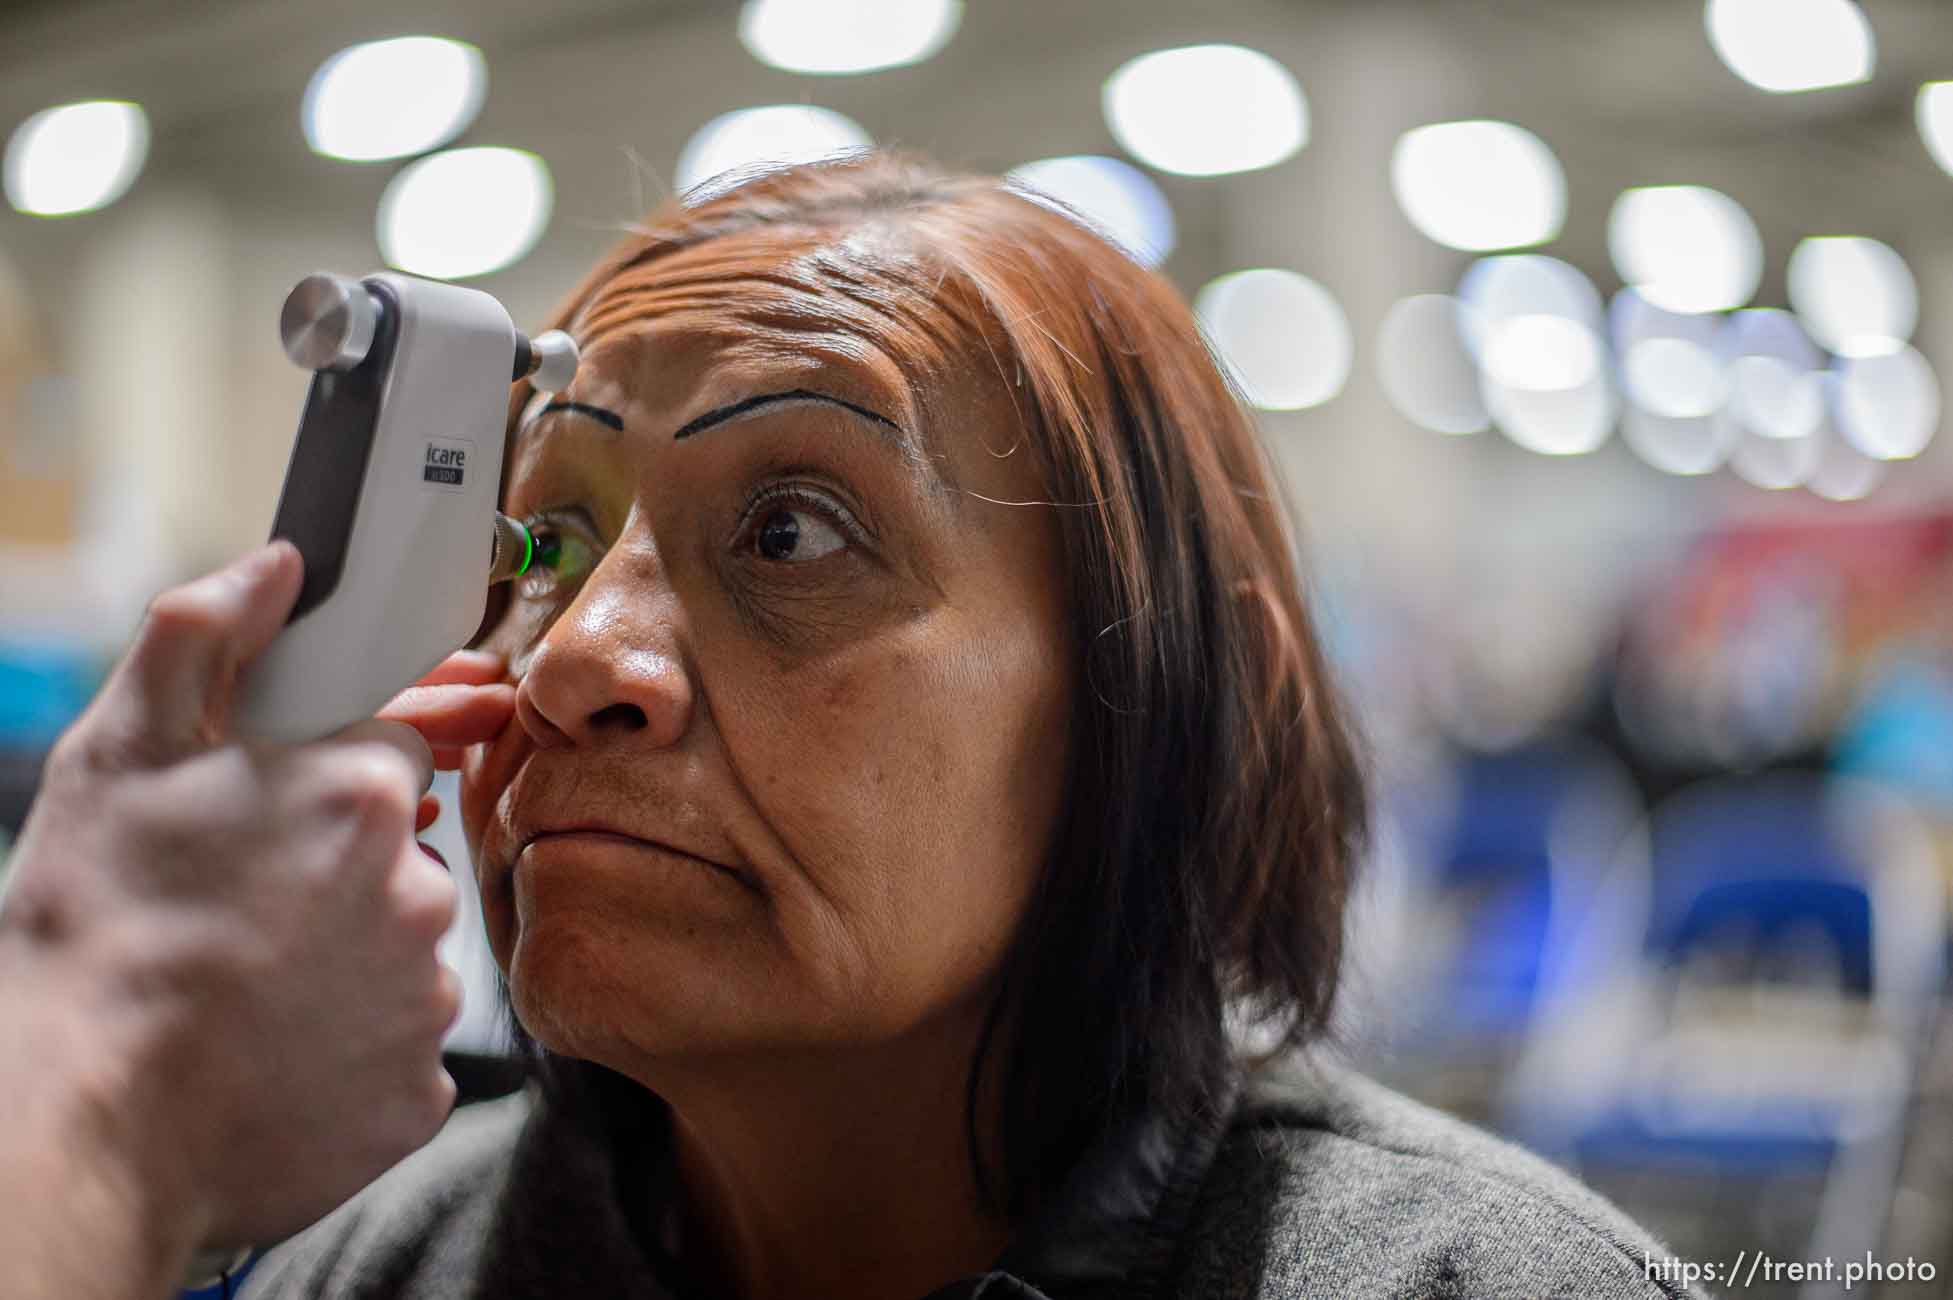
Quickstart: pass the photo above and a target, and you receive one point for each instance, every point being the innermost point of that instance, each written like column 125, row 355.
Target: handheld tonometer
column 391, row 489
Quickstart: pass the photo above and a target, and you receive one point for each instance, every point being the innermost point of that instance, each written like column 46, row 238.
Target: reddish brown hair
column 1215, row 804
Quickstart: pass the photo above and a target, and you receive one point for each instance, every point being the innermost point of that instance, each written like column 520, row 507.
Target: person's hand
column 231, row 946
column 465, row 700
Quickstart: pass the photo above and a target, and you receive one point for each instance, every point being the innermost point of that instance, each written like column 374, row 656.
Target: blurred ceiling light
column 1114, row 198
column 1844, row 475
column 1206, row 110
column 76, row 157
column 1791, row 45
column 1632, row 319
column 1282, row 336
column 1497, row 290
column 1425, row 370
column 1767, row 332
column 1479, row 185
column 1559, row 422
column 1686, row 248
column 390, row 99
column 1536, row 320
column 1856, row 296
column 829, row 37
column 1684, row 446
column 1675, row 378
column 1542, row 354
column 1771, row 397
column 1888, row 405
column 464, row 212
column 1934, row 111
column 1774, row 464
column 777, row 135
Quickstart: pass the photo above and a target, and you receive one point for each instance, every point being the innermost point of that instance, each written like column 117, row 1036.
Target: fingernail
column 433, row 853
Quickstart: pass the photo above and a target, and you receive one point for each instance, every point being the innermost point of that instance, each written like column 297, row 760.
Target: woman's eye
column 795, row 536
column 562, row 558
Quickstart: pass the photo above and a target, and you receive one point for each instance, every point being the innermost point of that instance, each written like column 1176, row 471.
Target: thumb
column 172, row 693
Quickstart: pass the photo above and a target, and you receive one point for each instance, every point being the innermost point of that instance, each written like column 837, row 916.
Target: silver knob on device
column 328, row 322
column 547, row 361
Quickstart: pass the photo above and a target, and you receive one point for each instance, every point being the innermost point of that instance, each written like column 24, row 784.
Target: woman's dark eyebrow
column 741, row 407
column 597, row 413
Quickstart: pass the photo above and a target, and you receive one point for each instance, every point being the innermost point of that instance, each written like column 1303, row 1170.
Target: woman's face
column 792, row 700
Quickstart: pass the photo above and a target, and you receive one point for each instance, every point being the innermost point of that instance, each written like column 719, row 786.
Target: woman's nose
column 608, row 668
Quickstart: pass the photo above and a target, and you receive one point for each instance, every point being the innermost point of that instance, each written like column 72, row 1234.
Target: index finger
column 172, row 692
column 466, row 668
column 454, row 715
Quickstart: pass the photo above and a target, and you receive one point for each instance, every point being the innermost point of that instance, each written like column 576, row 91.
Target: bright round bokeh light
column 1888, row 404
column 778, row 135
column 1784, row 46
column 1114, row 198
column 1206, row 110
column 1842, row 474
column 1632, row 319
column 1933, row 110
column 1499, row 290
column 394, row 98
column 1767, row 332
column 465, row 212
column 1686, row 446
column 1856, row 296
column 831, row 37
column 1686, row 248
column 1479, row 185
column 76, row 157
column 1554, row 422
column 1771, row 397
column 1425, row 369
column 1542, row 354
column 1282, row 337
column 1775, row 464
column 1674, row 378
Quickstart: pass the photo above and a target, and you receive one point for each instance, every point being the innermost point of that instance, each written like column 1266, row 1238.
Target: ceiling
column 608, row 90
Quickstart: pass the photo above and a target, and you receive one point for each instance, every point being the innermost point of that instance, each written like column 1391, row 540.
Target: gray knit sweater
column 1319, row 1183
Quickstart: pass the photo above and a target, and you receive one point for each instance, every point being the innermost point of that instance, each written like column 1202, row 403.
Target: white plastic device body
column 412, row 531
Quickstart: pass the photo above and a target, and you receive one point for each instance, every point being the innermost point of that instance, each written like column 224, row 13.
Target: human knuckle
column 186, row 611
column 427, row 901
column 371, row 786
column 80, row 752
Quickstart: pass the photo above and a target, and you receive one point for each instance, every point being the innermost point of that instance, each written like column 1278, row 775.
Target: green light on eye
column 550, row 553
column 528, row 552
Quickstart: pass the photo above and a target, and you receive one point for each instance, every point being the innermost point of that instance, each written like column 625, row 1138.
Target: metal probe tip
column 512, row 551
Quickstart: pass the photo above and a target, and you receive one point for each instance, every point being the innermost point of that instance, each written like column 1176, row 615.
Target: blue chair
column 1792, row 931
column 1499, row 860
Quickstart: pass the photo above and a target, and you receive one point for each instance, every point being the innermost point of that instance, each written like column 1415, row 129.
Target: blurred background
column 1599, row 344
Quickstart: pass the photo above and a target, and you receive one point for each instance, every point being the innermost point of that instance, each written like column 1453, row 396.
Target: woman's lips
column 610, row 834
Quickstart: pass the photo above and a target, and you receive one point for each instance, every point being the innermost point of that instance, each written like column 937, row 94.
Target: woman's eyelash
column 795, row 494
column 557, row 524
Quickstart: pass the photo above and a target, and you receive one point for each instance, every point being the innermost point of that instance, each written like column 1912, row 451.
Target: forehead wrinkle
column 777, row 314
column 870, row 277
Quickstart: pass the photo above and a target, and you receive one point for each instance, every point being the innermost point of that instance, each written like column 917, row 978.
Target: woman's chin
column 619, row 999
